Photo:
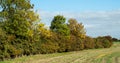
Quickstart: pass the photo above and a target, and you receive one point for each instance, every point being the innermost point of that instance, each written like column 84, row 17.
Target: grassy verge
column 26, row 59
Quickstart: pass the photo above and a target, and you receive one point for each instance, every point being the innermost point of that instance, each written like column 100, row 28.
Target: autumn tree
column 76, row 29
column 59, row 26
column 77, row 33
column 43, row 31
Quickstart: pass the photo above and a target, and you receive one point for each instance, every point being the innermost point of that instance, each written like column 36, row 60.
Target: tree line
column 22, row 34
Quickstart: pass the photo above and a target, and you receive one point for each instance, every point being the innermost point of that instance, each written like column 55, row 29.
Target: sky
column 100, row 17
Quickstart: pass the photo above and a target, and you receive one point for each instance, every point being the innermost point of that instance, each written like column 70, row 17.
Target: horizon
column 100, row 17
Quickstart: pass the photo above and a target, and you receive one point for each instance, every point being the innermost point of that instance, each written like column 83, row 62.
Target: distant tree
column 76, row 29
column 105, row 41
column 58, row 25
column 108, row 41
column 108, row 37
column 115, row 40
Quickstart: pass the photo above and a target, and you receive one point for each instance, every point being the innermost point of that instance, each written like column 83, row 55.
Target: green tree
column 17, row 16
column 3, row 43
column 59, row 26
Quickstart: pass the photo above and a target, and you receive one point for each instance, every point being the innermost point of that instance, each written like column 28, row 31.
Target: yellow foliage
column 44, row 32
column 30, row 33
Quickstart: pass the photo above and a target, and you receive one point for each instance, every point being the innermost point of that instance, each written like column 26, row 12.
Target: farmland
column 107, row 55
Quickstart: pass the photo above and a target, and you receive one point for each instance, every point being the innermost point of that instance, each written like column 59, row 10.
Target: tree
column 43, row 31
column 17, row 16
column 58, row 25
column 76, row 29
column 3, row 43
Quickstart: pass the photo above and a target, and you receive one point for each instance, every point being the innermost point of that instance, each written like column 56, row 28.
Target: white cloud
column 96, row 22
column 91, row 25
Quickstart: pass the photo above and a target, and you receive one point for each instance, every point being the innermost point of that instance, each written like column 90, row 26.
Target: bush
column 77, row 43
column 105, row 41
column 98, row 43
column 48, row 47
column 89, row 43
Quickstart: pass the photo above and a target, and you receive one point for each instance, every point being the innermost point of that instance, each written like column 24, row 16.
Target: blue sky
column 76, row 5
column 100, row 17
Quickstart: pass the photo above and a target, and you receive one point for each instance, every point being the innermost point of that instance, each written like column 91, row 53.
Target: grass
column 111, row 58
column 107, row 55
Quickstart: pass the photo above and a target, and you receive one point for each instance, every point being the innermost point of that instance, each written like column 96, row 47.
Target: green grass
column 110, row 58
column 107, row 55
column 34, row 57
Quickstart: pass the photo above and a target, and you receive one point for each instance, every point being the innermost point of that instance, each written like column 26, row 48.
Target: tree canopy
column 76, row 29
column 58, row 25
column 17, row 16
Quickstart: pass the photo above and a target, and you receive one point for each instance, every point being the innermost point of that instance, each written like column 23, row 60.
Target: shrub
column 98, row 43
column 105, row 41
column 89, row 43
column 76, row 43
column 48, row 47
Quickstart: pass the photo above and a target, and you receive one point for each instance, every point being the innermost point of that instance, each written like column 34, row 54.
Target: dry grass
column 107, row 55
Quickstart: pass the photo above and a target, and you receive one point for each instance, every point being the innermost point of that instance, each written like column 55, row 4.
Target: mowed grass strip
column 112, row 58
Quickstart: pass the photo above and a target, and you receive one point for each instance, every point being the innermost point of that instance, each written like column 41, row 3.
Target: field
column 107, row 55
